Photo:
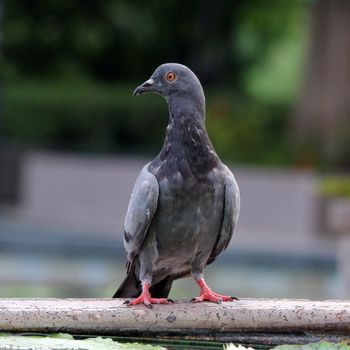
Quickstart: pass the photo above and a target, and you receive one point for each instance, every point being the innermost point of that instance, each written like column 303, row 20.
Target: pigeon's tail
column 162, row 288
column 131, row 287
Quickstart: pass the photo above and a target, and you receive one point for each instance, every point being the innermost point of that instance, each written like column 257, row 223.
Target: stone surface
column 107, row 316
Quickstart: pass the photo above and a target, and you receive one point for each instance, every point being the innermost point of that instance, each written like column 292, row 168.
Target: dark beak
column 147, row 86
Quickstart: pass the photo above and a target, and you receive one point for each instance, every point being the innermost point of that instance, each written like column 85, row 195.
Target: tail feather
column 130, row 287
column 162, row 288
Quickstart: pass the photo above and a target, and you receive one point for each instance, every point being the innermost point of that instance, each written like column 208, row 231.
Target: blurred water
column 68, row 264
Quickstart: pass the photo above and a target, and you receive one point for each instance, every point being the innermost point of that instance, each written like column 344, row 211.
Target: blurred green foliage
column 104, row 118
column 64, row 341
column 69, row 68
column 122, row 40
column 335, row 186
column 81, row 116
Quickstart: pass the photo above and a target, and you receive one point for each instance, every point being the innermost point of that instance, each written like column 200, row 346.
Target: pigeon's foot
column 207, row 294
column 146, row 299
column 213, row 297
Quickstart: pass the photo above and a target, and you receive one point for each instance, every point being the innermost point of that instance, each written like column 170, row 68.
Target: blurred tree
column 323, row 114
column 75, row 61
column 1, row 92
column 119, row 39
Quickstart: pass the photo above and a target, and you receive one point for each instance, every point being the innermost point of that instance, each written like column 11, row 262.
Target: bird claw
column 209, row 295
column 148, row 301
column 199, row 300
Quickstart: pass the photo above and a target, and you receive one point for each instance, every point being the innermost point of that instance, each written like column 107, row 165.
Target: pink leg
column 146, row 299
column 206, row 294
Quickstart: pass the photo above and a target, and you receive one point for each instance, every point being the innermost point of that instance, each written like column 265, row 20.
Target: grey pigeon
column 185, row 203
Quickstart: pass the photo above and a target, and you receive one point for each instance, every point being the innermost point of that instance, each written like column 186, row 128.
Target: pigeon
column 185, row 203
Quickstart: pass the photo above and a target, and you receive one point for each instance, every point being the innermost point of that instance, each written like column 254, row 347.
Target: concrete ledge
column 110, row 316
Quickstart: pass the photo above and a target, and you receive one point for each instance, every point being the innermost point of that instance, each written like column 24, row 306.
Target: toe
column 212, row 297
column 159, row 301
column 197, row 300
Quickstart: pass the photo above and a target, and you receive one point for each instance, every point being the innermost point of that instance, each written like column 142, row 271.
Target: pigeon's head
column 175, row 82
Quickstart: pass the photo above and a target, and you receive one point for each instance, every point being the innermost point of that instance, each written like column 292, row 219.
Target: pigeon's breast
column 187, row 219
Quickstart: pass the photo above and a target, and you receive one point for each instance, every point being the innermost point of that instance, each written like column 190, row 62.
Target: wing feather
column 230, row 214
column 142, row 206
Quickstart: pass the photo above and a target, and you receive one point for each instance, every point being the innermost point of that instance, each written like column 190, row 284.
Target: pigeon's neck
column 187, row 139
column 187, row 104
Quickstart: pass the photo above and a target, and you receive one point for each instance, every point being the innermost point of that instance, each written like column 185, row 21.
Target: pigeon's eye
column 170, row 76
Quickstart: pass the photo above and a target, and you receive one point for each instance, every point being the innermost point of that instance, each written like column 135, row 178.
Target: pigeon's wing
column 142, row 206
column 230, row 214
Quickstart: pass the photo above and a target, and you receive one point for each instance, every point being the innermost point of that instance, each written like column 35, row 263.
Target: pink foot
column 213, row 297
column 208, row 295
column 146, row 299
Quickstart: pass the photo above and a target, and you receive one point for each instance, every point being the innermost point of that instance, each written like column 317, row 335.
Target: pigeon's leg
column 147, row 258
column 206, row 294
column 146, row 299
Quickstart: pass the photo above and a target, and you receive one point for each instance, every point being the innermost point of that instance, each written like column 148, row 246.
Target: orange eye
column 170, row 76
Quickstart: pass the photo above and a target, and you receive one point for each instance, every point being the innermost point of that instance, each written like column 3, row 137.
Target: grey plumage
column 185, row 203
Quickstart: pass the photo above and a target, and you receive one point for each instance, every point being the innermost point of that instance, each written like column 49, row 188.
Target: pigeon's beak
column 147, row 86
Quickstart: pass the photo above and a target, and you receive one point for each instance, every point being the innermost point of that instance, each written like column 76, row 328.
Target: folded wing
column 142, row 206
column 230, row 214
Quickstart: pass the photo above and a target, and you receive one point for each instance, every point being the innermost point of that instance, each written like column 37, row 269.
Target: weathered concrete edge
column 110, row 316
